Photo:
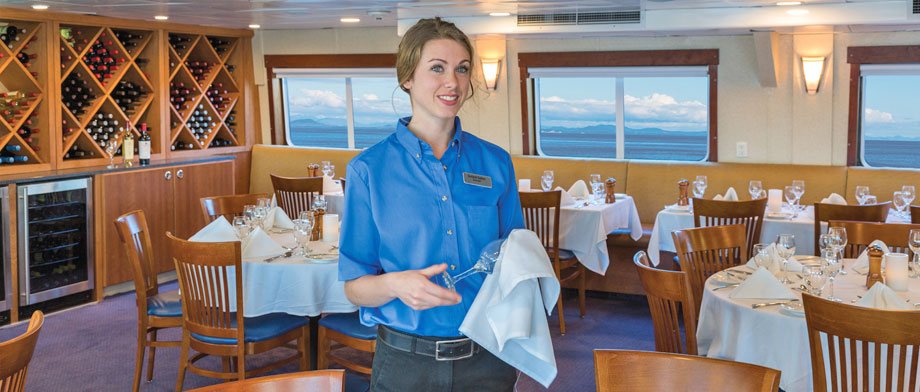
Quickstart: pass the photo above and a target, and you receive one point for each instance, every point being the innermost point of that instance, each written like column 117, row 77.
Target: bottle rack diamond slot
column 23, row 108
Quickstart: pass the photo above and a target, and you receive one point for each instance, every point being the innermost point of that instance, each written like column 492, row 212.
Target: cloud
column 650, row 111
column 311, row 98
column 661, row 107
column 370, row 97
column 878, row 116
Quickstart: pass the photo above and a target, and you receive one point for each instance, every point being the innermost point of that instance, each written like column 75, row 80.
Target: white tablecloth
column 292, row 285
column 803, row 227
column 335, row 203
column 730, row 329
column 583, row 229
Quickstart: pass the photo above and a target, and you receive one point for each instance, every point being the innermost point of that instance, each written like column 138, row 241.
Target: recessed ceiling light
column 161, row 17
column 349, row 20
column 40, row 7
column 797, row 12
column 787, row 3
column 254, row 26
column 499, row 14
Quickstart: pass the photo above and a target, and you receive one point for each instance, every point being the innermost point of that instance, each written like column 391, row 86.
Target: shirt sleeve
column 358, row 250
column 510, row 215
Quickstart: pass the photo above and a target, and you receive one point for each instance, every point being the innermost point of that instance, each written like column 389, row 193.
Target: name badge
column 477, row 180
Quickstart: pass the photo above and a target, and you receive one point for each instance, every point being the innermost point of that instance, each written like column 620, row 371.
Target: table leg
column 314, row 337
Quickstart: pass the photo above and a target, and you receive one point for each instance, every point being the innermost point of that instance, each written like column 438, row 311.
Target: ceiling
column 658, row 15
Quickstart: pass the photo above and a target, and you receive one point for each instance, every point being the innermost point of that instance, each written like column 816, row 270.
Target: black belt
column 441, row 350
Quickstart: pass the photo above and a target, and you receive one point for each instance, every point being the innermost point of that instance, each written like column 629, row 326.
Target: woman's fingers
column 416, row 289
column 433, row 270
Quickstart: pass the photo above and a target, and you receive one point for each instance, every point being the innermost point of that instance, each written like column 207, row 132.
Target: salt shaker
column 875, row 265
column 682, row 186
column 313, row 170
column 610, row 185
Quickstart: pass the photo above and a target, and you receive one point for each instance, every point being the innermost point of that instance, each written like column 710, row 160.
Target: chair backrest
column 668, row 294
column 624, row 370
column 864, row 213
column 314, row 381
column 295, row 194
column 134, row 235
column 227, row 206
column 704, row 251
column 862, row 343
column 541, row 215
column 914, row 214
column 204, row 281
column 861, row 234
column 16, row 353
column 720, row 213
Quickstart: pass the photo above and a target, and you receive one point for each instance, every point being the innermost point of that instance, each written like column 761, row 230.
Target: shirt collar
column 414, row 145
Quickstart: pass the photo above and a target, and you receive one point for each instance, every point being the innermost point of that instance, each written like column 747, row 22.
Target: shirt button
column 453, row 267
column 418, row 155
column 443, row 198
column 450, row 232
column 445, row 167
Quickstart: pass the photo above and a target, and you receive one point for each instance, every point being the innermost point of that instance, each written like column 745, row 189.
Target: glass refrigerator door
column 5, row 286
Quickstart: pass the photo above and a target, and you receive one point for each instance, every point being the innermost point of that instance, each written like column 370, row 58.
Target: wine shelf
column 25, row 141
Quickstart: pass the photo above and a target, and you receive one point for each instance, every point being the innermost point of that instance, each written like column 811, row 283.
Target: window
column 625, row 105
column 889, row 122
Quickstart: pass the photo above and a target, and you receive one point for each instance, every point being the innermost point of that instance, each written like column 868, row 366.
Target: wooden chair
column 314, row 381
column 627, row 371
column 344, row 329
column 668, row 294
column 228, row 206
column 870, row 331
column 706, row 250
column 914, row 214
column 155, row 310
column 541, row 215
column 861, row 234
column 863, row 213
column 211, row 328
column 16, row 353
column 720, row 213
column 295, row 194
column 342, row 182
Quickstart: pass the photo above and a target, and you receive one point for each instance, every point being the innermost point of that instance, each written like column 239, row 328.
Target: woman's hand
column 415, row 288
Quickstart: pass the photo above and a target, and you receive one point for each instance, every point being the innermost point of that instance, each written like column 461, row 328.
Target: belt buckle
column 437, row 349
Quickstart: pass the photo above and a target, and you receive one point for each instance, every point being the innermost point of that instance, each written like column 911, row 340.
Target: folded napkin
column 507, row 317
column 567, row 199
column 260, row 245
column 834, row 198
column 278, row 218
column 774, row 264
column 762, row 285
column 730, row 195
column 861, row 265
column 217, row 231
column 579, row 189
column 330, row 186
column 883, row 297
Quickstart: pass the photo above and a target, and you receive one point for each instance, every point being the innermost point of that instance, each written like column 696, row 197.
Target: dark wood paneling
column 713, row 112
column 242, row 168
column 853, row 117
column 883, row 54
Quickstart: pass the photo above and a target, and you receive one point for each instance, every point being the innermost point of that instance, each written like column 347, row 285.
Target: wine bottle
column 128, row 147
column 143, row 144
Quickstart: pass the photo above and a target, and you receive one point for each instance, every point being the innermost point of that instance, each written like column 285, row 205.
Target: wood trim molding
column 373, row 60
column 853, row 117
column 631, row 58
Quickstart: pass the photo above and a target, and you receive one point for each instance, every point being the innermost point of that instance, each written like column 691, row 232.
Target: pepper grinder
column 317, row 234
column 610, row 185
column 313, row 170
column 682, row 186
column 875, row 265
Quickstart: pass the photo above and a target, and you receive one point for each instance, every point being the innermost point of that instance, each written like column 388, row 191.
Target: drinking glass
column 913, row 241
column 695, row 188
column 319, row 202
column 323, row 165
column 785, row 247
column 754, row 188
column 840, row 234
column 899, row 203
column 110, row 149
column 870, row 199
column 242, row 227
column 258, row 216
column 329, row 170
column 308, row 217
column 827, row 243
column 701, row 183
column 861, row 192
column 815, row 278
column 249, row 213
column 798, row 187
column 486, row 263
column 910, row 194
column 762, row 255
column 546, row 182
column 263, row 202
column 594, row 178
column 303, row 229
column 832, row 267
column 789, row 194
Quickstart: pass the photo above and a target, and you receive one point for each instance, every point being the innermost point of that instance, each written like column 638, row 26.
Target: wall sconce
column 490, row 70
column 812, row 68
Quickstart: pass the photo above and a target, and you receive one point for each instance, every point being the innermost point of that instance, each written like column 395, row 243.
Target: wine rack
column 25, row 141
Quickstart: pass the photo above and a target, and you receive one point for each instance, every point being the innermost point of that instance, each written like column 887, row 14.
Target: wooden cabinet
column 169, row 197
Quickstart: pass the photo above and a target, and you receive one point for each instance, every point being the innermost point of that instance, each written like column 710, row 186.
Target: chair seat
column 348, row 324
column 563, row 254
column 260, row 328
column 165, row 305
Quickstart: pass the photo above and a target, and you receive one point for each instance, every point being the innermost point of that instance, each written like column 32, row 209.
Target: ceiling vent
column 913, row 9
column 582, row 17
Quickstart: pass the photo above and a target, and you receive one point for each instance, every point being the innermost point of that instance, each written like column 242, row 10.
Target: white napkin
column 762, row 285
column 730, row 195
column 507, row 317
column 862, row 262
column 834, row 198
column 330, row 186
column 883, row 297
column 217, row 231
column 775, row 263
column 260, row 245
column 567, row 199
column 278, row 218
column 579, row 189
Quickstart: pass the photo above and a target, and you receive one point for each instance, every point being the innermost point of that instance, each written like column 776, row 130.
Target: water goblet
column 913, row 242
column 263, row 202
column 754, row 188
column 328, row 169
column 762, row 255
column 832, row 267
column 789, row 194
column 701, row 183
column 546, row 182
column 899, row 203
column 319, row 202
column 785, row 247
column 910, row 193
column 798, row 187
column 486, row 263
column 861, row 192
column 870, row 199
column 840, row 234
column 110, row 149
column 600, row 192
column 242, row 227
column 303, row 229
column 815, row 278
column 593, row 179
column 249, row 213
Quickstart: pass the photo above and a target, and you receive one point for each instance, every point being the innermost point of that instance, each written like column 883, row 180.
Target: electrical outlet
column 741, row 150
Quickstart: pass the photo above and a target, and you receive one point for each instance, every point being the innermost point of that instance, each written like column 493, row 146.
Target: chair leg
column 304, row 343
column 225, row 364
column 153, row 354
column 581, row 292
column 141, row 348
column 183, row 361
column 561, row 315
column 241, row 365
column 322, row 350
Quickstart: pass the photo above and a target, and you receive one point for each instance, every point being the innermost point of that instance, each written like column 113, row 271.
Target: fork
column 763, row 304
column 286, row 254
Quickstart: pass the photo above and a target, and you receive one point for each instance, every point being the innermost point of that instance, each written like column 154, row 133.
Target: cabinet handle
column 180, row 173
column 168, row 175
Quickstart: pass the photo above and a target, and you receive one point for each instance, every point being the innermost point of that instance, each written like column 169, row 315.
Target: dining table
column 584, row 226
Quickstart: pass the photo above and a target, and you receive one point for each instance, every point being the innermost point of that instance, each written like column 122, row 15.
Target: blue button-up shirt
column 407, row 210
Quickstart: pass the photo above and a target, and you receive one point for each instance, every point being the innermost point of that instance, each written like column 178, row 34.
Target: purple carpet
column 92, row 348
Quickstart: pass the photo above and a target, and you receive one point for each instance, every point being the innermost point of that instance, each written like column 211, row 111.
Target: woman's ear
column 406, row 86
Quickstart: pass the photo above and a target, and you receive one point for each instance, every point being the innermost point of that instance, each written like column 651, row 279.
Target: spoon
column 763, row 304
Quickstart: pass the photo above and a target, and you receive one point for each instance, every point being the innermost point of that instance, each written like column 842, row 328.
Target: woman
column 423, row 201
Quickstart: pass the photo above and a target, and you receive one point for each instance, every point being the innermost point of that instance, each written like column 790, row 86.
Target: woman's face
column 441, row 80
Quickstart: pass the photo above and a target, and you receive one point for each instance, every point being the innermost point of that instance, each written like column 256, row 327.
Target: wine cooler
column 55, row 239
column 5, row 280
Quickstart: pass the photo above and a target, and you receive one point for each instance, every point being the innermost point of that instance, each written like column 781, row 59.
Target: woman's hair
column 410, row 47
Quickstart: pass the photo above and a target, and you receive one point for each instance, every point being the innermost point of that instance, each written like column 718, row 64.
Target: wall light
column 490, row 70
column 813, row 69
column 40, row 7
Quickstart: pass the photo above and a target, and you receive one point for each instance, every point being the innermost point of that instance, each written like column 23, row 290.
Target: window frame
column 866, row 55
column 635, row 58
column 278, row 128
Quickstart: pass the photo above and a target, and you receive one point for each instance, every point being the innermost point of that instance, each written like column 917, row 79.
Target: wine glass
column 328, row 169
column 899, row 203
column 798, row 187
column 701, row 183
column 910, row 194
column 594, row 178
column 486, row 263
column 754, row 188
column 827, row 243
column 762, row 255
column 546, row 182
column 242, row 227
column 832, row 268
column 303, row 230
column 249, row 213
column 815, row 278
column 840, row 234
column 913, row 241
column 110, row 149
column 319, row 202
column 861, row 192
column 789, row 194
column 785, row 247
column 870, row 199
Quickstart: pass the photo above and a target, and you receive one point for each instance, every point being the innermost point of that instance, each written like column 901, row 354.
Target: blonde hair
column 410, row 47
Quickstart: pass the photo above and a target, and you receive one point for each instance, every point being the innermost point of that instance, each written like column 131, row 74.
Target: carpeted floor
column 92, row 348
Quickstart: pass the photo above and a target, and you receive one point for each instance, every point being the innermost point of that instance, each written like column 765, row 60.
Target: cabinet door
column 195, row 182
column 146, row 190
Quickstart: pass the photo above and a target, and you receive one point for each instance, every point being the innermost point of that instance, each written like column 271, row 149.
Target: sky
column 377, row 101
column 889, row 107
